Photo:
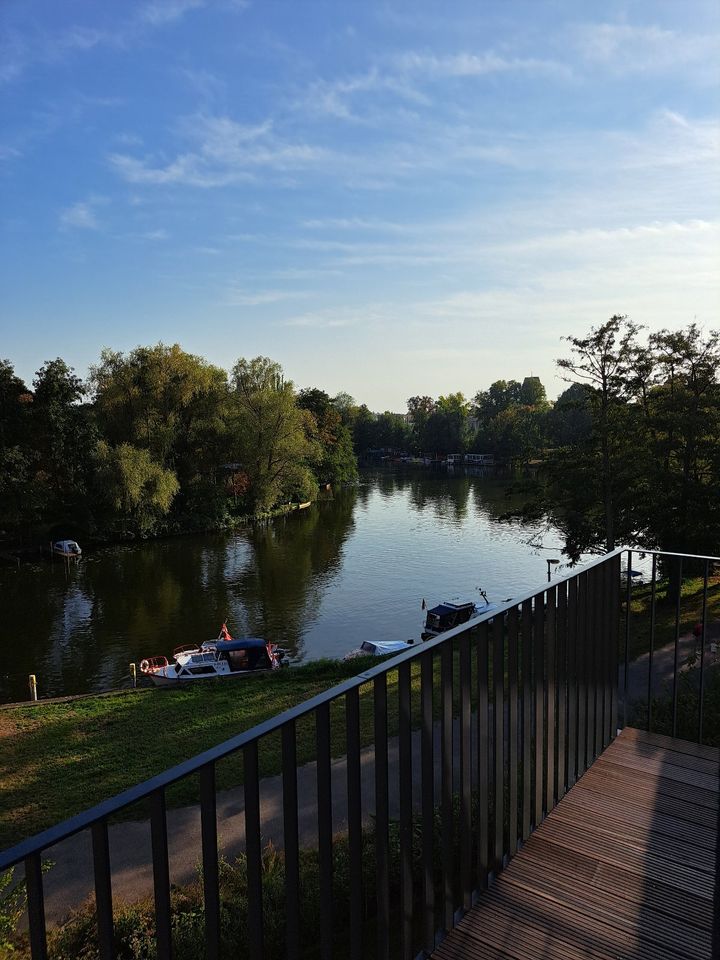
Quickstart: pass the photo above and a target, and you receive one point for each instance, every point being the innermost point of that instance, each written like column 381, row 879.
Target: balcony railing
column 473, row 738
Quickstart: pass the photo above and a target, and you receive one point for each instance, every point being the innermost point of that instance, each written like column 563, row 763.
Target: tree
column 336, row 462
column 602, row 360
column 137, row 489
column 271, row 434
column 164, row 400
column 63, row 434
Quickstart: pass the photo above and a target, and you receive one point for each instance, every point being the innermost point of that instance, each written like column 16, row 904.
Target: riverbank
column 60, row 758
column 16, row 551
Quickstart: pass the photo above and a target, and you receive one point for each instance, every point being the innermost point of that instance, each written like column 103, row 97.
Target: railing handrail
column 135, row 794
column 670, row 553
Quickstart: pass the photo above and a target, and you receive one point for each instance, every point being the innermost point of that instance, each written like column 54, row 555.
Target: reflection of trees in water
column 446, row 496
column 295, row 560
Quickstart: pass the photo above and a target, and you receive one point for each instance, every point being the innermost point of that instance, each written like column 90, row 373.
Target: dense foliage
column 160, row 440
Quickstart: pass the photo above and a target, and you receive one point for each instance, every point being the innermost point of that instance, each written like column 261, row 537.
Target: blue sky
column 389, row 198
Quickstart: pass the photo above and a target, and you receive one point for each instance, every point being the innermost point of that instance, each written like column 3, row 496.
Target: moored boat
column 223, row 657
column 453, row 613
column 378, row 648
column 70, row 549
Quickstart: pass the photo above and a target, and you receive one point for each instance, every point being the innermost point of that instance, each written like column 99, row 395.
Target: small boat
column 453, row 613
column 69, row 549
column 378, row 648
column 223, row 657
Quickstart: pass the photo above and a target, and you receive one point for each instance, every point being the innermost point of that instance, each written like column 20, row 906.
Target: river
column 318, row 581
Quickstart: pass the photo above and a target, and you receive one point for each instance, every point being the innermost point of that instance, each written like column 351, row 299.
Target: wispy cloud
column 466, row 64
column 237, row 297
column 225, row 152
column 628, row 48
column 81, row 216
column 160, row 12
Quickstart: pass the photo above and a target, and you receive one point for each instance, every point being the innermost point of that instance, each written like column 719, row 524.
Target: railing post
column 676, row 656
column 428, row 797
column 382, row 847
column 354, row 801
column 211, row 890
column 653, row 589
column 161, row 875
column 325, row 829
column 628, row 603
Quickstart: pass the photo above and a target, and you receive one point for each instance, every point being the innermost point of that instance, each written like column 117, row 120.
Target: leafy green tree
column 138, row 490
column 602, row 360
column 164, row 400
column 271, row 434
column 63, row 434
column 336, row 462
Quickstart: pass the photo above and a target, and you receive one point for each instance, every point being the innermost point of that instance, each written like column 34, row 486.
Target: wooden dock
column 624, row 868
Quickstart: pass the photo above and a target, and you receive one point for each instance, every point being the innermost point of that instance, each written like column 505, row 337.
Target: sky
column 388, row 198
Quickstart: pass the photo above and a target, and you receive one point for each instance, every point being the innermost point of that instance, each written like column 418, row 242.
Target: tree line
column 630, row 451
column 160, row 440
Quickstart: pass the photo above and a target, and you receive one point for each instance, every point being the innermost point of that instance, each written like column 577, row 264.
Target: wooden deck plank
column 624, row 866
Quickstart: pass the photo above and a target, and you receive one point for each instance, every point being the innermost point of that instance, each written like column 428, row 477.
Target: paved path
column 70, row 881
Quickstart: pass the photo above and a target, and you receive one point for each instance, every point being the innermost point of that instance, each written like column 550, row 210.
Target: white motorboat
column 378, row 648
column 69, row 549
column 224, row 657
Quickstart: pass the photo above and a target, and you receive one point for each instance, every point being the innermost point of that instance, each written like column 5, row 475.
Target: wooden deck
column 624, row 867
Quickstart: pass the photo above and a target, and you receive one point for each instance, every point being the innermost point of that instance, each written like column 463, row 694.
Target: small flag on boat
column 424, row 605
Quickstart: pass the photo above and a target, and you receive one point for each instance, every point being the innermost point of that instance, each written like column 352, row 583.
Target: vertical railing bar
column 446, row 768
column 591, row 663
column 550, row 749
column 571, row 646
column 651, row 651
column 382, row 845
column 512, row 621
column 702, row 653
column 406, row 811
column 676, row 656
column 608, row 637
column 581, row 654
column 325, row 829
column 291, row 841
column 354, row 809
column 499, row 733
column 613, row 647
column 428, row 798
column 527, row 716
column 600, row 659
column 36, row 906
column 628, row 603
column 103, row 889
column 561, row 661
column 483, row 757
column 539, row 676
column 209, row 842
column 161, row 875
column 253, row 850
column 465, row 773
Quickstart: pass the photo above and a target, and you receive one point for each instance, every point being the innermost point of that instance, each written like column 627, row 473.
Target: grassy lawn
column 58, row 759
column 665, row 612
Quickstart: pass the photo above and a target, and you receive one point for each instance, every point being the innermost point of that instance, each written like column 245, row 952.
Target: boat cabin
column 447, row 615
column 249, row 653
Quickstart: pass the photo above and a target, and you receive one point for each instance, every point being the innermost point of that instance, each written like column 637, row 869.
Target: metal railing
column 670, row 604
column 492, row 723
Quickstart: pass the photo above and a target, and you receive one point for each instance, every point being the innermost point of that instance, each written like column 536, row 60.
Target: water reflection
column 318, row 581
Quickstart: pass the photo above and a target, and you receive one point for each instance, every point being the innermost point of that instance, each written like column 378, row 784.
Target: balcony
column 487, row 794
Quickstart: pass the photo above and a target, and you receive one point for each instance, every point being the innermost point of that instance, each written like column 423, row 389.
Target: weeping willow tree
column 271, row 434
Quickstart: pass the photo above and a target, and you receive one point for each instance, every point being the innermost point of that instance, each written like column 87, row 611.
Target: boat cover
column 244, row 643
column 442, row 610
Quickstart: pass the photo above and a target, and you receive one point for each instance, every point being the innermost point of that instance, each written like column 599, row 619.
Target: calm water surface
column 318, row 582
